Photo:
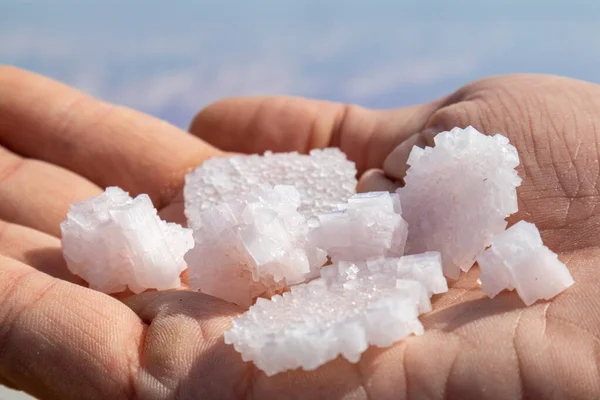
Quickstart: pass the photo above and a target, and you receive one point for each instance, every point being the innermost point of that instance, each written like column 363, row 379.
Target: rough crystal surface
column 368, row 225
column 253, row 243
column 113, row 242
column 352, row 306
column 314, row 323
column 424, row 268
column 457, row 195
column 519, row 260
column 324, row 179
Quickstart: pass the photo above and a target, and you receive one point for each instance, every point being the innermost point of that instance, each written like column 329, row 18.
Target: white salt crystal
column 324, row 179
column 426, row 269
column 253, row 243
column 113, row 241
column 369, row 225
column 457, row 195
column 519, row 260
column 316, row 322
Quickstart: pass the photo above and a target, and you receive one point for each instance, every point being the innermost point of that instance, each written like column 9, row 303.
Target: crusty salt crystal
column 519, row 260
column 324, row 179
column 368, row 225
column 457, row 195
column 426, row 269
column 316, row 322
column 113, row 241
column 253, row 243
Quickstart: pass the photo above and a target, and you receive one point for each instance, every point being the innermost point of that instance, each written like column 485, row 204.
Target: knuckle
column 460, row 114
column 498, row 104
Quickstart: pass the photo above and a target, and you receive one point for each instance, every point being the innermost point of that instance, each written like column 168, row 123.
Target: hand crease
column 340, row 126
column 68, row 112
column 452, row 365
column 463, row 293
column 405, row 370
column 595, row 336
column 544, row 317
column 10, row 321
column 13, row 168
column 361, row 380
column 251, row 372
column 514, row 342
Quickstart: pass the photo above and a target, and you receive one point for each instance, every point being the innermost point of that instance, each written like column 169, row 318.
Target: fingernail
column 395, row 165
column 374, row 180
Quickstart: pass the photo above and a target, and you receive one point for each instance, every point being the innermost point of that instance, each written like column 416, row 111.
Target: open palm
column 61, row 340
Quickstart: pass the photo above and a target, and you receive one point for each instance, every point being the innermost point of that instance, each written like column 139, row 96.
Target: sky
column 170, row 59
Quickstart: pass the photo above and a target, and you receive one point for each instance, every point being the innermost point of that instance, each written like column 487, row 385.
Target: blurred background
column 171, row 58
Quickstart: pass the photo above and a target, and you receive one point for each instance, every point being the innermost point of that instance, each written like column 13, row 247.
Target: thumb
column 282, row 124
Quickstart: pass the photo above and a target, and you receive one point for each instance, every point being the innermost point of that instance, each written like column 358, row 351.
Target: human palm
column 61, row 340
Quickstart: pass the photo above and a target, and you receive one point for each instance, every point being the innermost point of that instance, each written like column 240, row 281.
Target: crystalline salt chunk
column 324, row 179
column 518, row 260
column 457, row 195
column 369, row 225
column 316, row 322
column 113, row 242
column 426, row 269
column 252, row 244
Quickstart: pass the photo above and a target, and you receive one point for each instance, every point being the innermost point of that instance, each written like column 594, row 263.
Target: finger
column 63, row 341
column 36, row 249
column 109, row 145
column 395, row 165
column 174, row 212
column 256, row 124
column 374, row 180
column 37, row 194
column 194, row 325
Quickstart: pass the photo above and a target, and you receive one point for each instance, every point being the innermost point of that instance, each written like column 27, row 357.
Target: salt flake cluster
column 324, row 179
column 458, row 194
column 519, row 260
column 318, row 321
column 364, row 298
column 252, row 244
column 368, row 225
column 115, row 242
column 425, row 269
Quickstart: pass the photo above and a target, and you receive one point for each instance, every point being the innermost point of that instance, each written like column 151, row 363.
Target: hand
column 61, row 340
column 473, row 347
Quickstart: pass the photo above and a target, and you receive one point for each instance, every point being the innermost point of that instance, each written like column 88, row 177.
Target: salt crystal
column 426, row 269
column 252, row 244
column 519, row 260
column 324, row 179
column 352, row 306
column 457, row 195
column 315, row 322
column 113, row 242
column 368, row 225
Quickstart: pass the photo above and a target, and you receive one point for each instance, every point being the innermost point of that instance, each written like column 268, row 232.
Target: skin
column 60, row 340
